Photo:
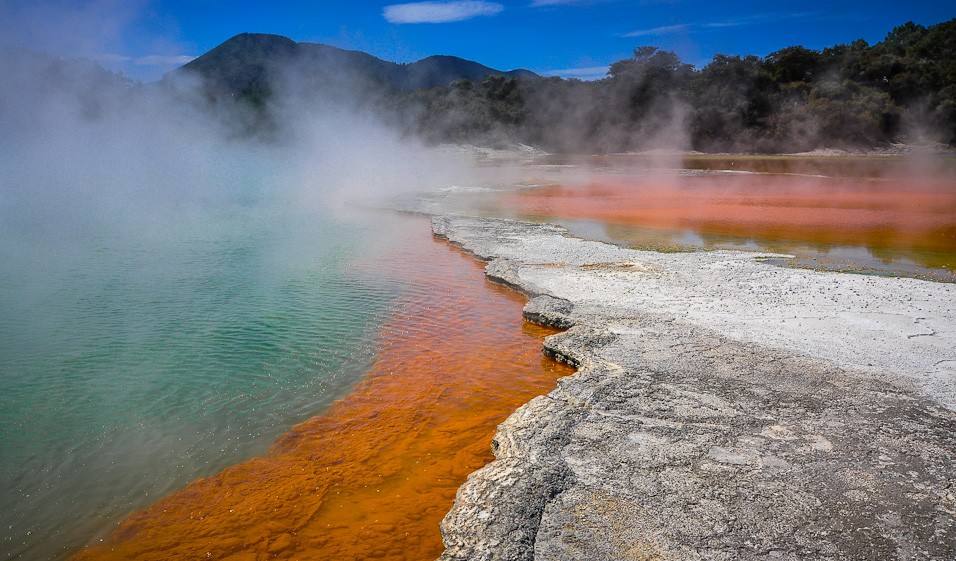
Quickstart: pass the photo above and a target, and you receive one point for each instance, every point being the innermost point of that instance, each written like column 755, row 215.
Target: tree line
column 902, row 89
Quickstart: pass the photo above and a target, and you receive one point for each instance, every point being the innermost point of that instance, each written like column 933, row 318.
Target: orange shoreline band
column 917, row 214
column 372, row 477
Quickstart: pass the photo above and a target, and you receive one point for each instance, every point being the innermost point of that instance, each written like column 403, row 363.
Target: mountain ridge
column 251, row 64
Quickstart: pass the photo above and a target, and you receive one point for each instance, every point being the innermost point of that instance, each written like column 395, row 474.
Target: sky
column 570, row 38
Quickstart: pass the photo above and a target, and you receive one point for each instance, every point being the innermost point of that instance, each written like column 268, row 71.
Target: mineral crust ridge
column 723, row 408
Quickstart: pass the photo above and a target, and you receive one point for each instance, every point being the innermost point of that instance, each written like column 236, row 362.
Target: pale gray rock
column 679, row 440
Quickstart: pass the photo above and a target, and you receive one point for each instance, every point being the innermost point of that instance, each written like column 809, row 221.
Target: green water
column 132, row 362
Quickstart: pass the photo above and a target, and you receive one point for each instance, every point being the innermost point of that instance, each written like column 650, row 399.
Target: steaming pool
column 133, row 364
column 141, row 364
column 870, row 215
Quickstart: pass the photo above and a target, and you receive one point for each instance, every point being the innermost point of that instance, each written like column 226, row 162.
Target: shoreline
column 690, row 435
column 642, row 421
column 526, row 152
column 886, row 217
column 895, row 326
column 372, row 476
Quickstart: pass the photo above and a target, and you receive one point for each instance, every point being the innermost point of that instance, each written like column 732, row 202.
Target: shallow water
column 373, row 476
column 130, row 365
column 871, row 215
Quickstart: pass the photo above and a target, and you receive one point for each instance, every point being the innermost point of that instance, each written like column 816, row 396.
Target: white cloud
column 663, row 30
column 737, row 22
column 163, row 60
column 545, row 3
column 439, row 12
column 585, row 73
column 111, row 58
column 147, row 60
column 755, row 19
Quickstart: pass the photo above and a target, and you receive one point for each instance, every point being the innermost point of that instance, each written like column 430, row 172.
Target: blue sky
column 145, row 38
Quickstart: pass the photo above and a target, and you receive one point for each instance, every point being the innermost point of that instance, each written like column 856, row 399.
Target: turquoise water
column 135, row 360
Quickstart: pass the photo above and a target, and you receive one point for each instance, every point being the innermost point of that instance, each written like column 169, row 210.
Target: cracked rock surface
column 723, row 409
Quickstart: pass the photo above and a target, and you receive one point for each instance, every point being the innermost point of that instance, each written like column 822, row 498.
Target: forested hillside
column 902, row 89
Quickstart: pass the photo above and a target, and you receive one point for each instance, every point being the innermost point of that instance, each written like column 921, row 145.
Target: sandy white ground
column 898, row 326
column 723, row 409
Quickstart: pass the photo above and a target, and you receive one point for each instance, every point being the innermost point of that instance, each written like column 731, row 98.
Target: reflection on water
column 841, row 258
column 872, row 167
column 373, row 476
column 871, row 215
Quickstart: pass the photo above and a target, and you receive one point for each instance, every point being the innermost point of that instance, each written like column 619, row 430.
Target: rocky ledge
column 723, row 408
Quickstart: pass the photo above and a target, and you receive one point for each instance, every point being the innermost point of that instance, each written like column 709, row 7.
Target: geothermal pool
column 889, row 216
column 184, row 369
column 133, row 362
column 133, row 366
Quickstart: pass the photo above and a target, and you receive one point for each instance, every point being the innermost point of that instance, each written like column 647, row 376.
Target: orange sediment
column 914, row 214
column 372, row 477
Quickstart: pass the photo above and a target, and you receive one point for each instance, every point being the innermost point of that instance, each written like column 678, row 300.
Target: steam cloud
column 94, row 163
column 87, row 150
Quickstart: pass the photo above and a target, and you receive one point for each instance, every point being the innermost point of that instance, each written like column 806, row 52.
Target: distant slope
column 244, row 63
column 251, row 64
column 441, row 70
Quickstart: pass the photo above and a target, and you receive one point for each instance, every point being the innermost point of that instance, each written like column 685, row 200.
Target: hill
column 251, row 65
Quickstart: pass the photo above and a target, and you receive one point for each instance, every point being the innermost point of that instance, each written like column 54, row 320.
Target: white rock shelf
column 724, row 408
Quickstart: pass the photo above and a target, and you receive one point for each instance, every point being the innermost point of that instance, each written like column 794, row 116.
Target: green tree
column 794, row 64
column 731, row 99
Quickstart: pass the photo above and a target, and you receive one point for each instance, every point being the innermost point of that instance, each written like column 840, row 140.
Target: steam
column 84, row 149
column 94, row 163
column 99, row 169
